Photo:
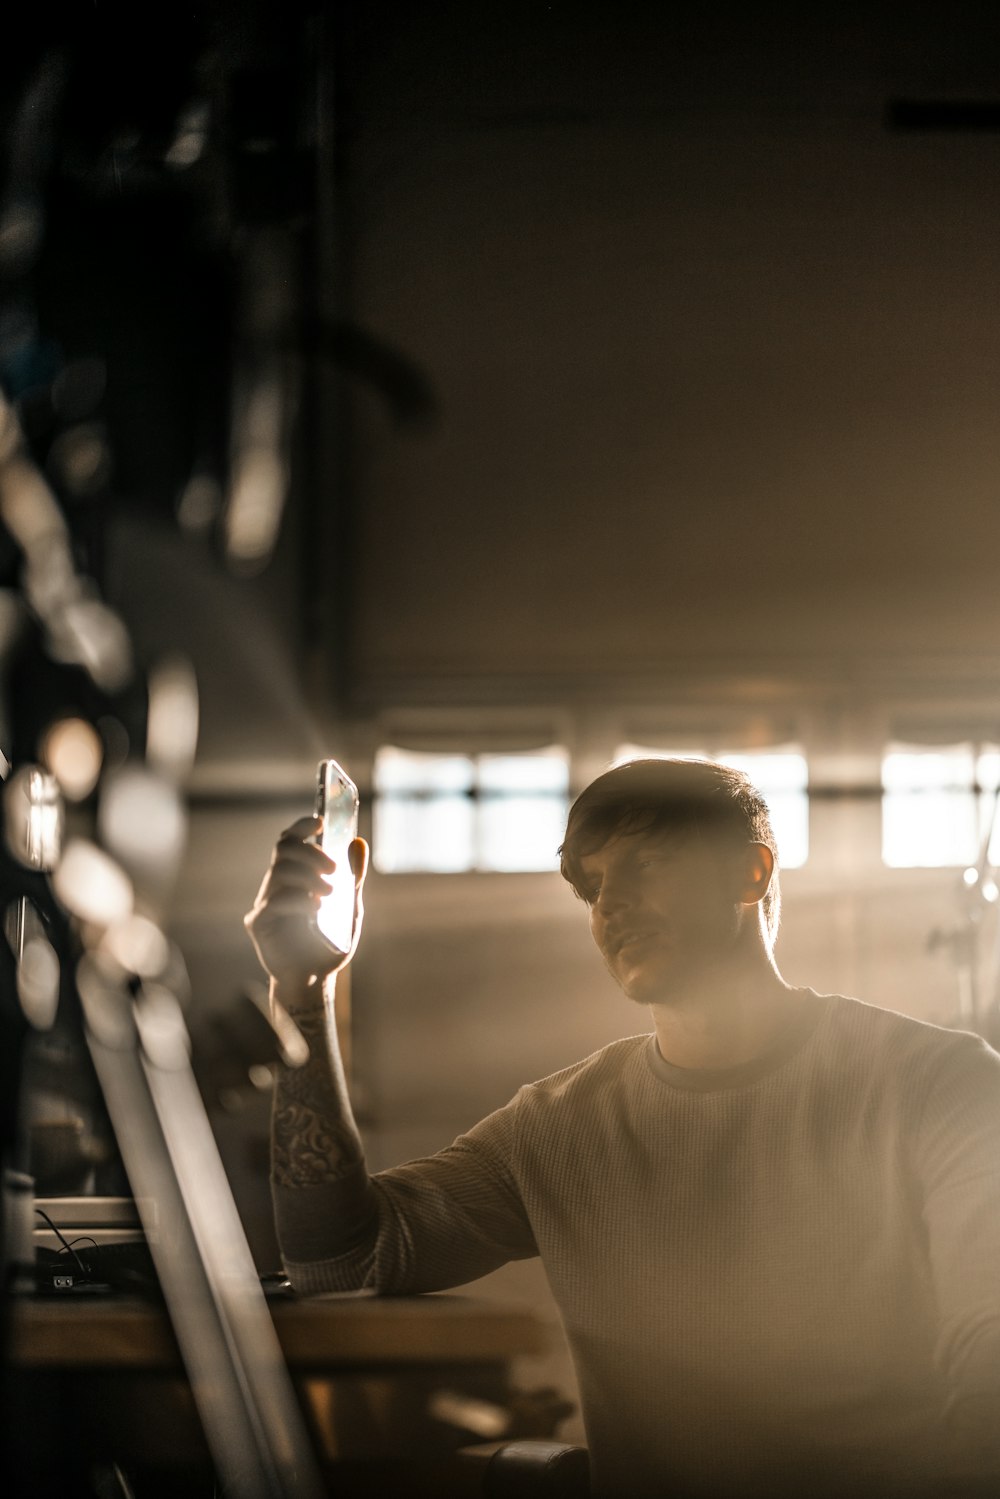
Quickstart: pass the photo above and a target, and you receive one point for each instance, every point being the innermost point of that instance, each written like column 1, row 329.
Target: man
column 772, row 1227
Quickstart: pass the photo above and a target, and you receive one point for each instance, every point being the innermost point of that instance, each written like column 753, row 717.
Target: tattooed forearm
column 314, row 1138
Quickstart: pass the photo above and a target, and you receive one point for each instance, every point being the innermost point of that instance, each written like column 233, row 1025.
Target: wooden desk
column 323, row 1332
column 373, row 1375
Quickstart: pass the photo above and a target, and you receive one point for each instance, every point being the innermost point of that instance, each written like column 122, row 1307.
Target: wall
column 714, row 348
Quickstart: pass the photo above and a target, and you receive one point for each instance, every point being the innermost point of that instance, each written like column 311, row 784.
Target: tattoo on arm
column 314, row 1138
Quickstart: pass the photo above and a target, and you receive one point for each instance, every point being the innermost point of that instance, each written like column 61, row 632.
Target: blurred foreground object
column 84, row 915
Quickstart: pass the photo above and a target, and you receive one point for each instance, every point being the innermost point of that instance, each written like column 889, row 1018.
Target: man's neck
column 725, row 1019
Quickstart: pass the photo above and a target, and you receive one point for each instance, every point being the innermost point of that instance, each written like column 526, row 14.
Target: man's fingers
column 282, row 923
column 291, row 876
column 289, row 846
column 303, row 827
column 298, row 905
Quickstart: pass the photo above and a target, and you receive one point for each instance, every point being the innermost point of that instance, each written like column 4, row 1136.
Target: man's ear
column 756, row 873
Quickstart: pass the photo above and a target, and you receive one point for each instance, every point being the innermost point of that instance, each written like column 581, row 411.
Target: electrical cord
column 67, row 1246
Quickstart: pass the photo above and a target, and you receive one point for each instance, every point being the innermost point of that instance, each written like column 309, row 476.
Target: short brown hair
column 660, row 795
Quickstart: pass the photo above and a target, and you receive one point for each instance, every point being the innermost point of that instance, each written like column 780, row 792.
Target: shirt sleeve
column 431, row 1224
column 959, row 1151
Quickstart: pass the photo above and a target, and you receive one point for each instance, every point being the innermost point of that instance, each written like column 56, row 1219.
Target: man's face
column 664, row 909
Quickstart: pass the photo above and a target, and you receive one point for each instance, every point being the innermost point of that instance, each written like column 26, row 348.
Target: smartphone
column 337, row 805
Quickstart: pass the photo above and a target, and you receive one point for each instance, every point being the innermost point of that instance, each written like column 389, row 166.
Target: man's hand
column 282, row 923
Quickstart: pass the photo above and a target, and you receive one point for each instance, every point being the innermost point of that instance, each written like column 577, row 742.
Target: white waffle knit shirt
column 780, row 1279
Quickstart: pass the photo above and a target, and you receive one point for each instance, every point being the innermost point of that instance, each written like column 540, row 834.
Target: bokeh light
column 172, row 720
column 85, row 632
column 80, row 459
column 33, row 817
column 137, row 945
column 38, row 982
column 73, row 752
column 142, row 821
column 91, row 885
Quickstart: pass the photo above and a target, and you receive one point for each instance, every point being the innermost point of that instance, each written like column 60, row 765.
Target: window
column 938, row 804
column 781, row 775
column 444, row 813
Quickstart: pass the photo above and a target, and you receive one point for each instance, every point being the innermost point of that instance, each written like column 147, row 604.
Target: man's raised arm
column 425, row 1226
column 325, row 1208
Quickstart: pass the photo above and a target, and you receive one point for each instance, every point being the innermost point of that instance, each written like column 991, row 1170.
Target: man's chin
column 639, row 999
column 652, row 983
column 646, row 973
column 644, row 988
